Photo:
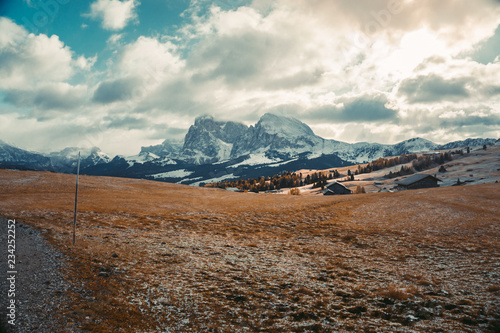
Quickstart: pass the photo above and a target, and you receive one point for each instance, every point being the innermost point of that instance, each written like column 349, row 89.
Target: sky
column 121, row 74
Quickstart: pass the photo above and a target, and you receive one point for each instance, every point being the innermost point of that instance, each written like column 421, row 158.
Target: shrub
column 294, row 191
column 394, row 292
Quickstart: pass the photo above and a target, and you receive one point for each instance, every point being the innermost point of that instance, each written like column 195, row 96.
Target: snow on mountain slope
column 224, row 151
column 166, row 148
column 13, row 157
column 66, row 159
column 97, row 156
column 173, row 174
column 143, row 157
column 414, row 145
column 284, row 126
column 469, row 143
column 71, row 153
column 258, row 158
column 217, row 179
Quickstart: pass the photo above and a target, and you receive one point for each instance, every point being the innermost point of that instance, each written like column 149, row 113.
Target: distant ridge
column 213, row 150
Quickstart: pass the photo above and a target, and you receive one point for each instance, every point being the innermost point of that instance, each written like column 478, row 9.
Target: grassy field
column 152, row 256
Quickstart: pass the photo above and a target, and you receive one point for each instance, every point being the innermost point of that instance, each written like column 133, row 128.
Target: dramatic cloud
column 127, row 122
column 114, row 14
column 451, row 80
column 367, row 108
column 371, row 70
column 116, row 90
column 433, row 88
column 452, row 123
column 359, row 109
column 488, row 50
column 49, row 96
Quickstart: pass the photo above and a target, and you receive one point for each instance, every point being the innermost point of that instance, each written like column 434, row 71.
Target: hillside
column 153, row 256
column 478, row 167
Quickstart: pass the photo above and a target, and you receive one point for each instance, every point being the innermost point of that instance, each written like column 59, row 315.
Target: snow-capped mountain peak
column 283, row 126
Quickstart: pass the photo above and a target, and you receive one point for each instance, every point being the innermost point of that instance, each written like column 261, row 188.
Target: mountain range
column 214, row 150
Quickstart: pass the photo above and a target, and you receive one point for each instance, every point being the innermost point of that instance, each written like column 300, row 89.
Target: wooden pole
column 76, row 198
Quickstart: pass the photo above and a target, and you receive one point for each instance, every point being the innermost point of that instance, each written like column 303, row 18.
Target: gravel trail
column 40, row 289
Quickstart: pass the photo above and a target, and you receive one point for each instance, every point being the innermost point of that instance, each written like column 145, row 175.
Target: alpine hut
column 336, row 188
column 418, row 181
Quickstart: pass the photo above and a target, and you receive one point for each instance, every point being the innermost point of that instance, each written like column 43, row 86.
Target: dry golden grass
column 199, row 260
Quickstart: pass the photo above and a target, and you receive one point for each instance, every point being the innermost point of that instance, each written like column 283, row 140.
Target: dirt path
column 40, row 289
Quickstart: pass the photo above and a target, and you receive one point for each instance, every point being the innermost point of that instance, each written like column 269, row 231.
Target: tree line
column 383, row 163
column 285, row 179
column 422, row 163
column 289, row 179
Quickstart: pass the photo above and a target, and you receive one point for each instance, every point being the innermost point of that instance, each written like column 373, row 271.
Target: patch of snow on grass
column 173, row 174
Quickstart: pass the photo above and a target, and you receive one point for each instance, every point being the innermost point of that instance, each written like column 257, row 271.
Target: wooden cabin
column 336, row 188
column 418, row 181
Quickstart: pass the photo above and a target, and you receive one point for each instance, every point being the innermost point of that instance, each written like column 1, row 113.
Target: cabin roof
column 336, row 183
column 415, row 178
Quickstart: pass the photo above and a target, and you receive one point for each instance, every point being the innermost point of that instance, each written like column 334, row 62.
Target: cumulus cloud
column 151, row 57
column 26, row 59
column 35, row 71
column 114, row 14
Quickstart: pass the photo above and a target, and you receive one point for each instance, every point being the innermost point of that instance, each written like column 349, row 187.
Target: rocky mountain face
column 277, row 137
column 209, row 141
column 213, row 150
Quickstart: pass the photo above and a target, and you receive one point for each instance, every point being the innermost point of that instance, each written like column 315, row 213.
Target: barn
column 336, row 188
column 418, row 181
